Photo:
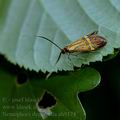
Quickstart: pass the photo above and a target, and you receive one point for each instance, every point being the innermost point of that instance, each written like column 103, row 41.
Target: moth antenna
column 58, row 57
column 93, row 33
column 50, row 41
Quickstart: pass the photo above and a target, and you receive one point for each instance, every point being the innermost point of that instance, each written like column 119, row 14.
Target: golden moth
column 88, row 43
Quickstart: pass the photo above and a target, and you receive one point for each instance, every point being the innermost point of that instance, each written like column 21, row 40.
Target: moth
column 87, row 43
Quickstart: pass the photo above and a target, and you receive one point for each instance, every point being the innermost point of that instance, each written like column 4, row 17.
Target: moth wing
column 79, row 45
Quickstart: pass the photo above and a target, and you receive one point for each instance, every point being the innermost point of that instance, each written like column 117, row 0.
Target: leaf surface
column 62, row 21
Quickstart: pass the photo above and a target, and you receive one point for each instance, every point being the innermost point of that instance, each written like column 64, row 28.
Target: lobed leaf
column 20, row 101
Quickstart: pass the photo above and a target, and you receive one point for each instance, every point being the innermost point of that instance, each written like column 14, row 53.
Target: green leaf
column 112, row 56
column 20, row 101
column 62, row 21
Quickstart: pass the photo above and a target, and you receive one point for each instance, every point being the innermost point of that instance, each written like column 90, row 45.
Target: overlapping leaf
column 20, row 101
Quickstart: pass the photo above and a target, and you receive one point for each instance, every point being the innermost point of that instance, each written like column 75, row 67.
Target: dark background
column 103, row 102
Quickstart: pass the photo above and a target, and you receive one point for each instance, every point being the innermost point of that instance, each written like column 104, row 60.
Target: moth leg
column 66, row 61
column 70, row 59
column 77, row 56
column 73, row 54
